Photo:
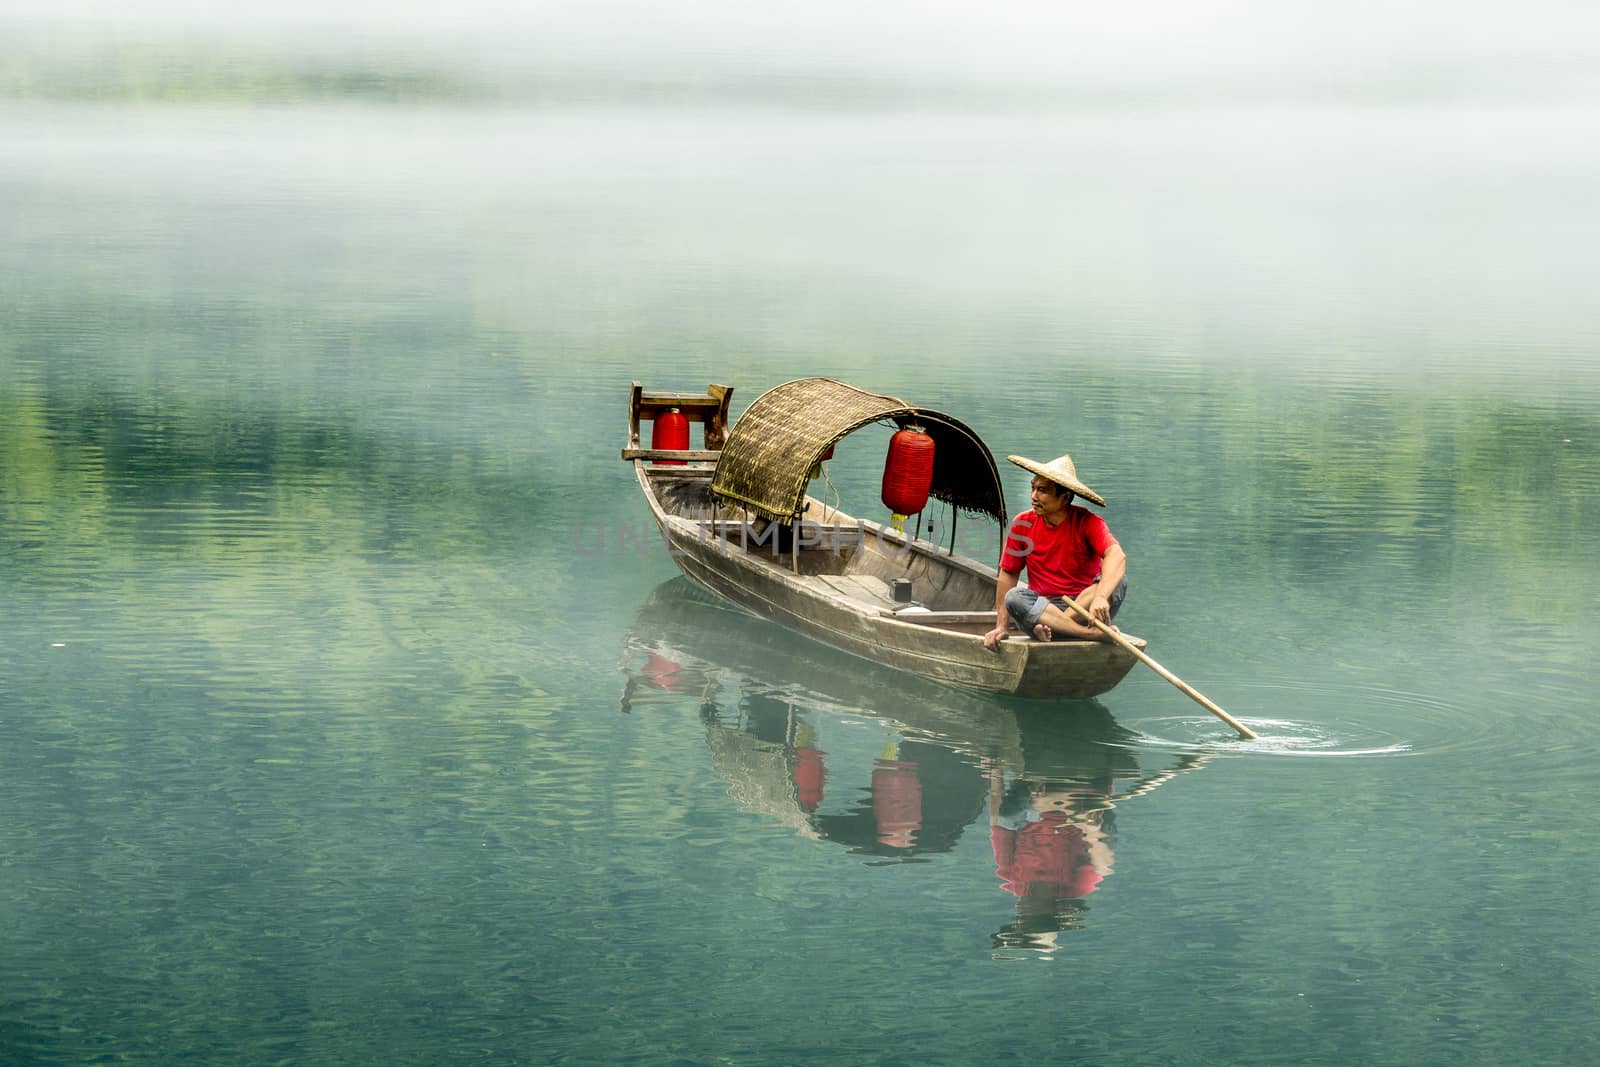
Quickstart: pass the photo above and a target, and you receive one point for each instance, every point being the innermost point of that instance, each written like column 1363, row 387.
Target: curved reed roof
column 766, row 462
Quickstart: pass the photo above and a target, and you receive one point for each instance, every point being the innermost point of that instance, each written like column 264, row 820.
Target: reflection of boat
column 890, row 771
column 788, row 735
column 776, row 776
column 918, row 796
column 689, row 645
column 737, row 519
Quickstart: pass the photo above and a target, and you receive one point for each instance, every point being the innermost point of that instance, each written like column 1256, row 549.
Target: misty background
column 1289, row 177
column 880, row 54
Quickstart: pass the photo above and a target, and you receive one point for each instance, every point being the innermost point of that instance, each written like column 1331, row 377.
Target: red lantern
column 670, row 430
column 816, row 468
column 908, row 471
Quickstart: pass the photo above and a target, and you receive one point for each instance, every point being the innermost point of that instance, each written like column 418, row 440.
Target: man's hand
column 1096, row 605
column 992, row 639
column 1100, row 608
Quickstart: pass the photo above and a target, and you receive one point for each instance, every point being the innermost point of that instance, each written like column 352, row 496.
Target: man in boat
column 1068, row 551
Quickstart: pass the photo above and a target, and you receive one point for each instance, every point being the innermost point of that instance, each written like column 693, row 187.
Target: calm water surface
column 349, row 715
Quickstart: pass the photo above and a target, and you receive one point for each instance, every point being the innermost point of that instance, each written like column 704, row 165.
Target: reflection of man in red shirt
column 1051, row 850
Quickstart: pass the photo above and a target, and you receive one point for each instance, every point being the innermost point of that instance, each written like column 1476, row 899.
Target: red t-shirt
column 1062, row 560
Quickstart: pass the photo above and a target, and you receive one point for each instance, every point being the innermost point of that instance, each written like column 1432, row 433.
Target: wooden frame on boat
column 734, row 516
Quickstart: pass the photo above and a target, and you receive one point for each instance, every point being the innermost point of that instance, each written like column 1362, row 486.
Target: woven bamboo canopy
column 767, row 460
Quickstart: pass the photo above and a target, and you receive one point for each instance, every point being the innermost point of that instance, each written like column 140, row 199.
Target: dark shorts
column 1025, row 606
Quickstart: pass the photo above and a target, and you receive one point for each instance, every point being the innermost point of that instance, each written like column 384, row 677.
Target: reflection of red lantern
column 897, row 802
column 670, row 430
column 908, row 471
column 809, row 774
column 661, row 673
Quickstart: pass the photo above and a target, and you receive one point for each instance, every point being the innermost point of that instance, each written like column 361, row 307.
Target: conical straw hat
column 1061, row 471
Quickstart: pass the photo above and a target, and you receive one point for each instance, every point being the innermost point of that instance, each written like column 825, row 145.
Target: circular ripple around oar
column 1345, row 721
column 1276, row 737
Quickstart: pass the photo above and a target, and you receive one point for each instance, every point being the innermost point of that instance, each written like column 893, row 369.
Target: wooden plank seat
column 687, row 455
column 695, row 471
column 860, row 587
column 940, row 618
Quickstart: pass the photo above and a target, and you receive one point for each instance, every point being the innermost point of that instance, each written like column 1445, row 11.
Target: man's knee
column 1020, row 605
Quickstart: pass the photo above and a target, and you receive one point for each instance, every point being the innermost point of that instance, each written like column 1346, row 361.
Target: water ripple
column 1360, row 721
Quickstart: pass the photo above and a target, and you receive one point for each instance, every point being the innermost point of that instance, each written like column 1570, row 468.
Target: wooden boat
column 737, row 520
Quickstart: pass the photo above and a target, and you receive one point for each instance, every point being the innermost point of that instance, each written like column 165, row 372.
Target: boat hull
column 1020, row 666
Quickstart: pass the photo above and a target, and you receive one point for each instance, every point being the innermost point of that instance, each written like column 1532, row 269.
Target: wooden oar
column 1188, row 690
